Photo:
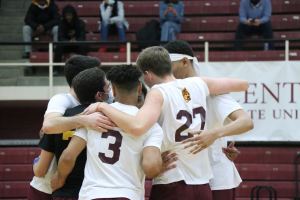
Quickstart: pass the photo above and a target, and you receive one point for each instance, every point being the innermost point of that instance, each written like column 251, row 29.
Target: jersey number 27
column 189, row 120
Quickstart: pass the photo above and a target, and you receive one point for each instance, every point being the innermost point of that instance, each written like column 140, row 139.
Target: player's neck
column 128, row 99
column 192, row 72
column 72, row 92
column 168, row 78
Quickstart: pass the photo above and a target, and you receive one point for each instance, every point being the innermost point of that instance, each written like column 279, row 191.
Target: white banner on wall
column 272, row 100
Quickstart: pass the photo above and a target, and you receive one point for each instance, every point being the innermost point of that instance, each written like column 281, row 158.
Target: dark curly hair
column 125, row 77
column 78, row 63
column 87, row 83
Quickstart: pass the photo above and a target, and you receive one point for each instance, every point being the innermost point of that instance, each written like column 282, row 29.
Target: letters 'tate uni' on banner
column 272, row 100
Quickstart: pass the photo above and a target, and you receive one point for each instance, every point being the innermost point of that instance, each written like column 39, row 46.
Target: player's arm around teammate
column 240, row 124
column 54, row 121
column 42, row 163
column 150, row 111
column 67, row 161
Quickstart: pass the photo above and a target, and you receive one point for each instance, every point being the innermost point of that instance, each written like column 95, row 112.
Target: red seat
column 283, row 172
column 16, row 172
column 267, row 155
column 132, row 8
column 204, row 24
column 229, row 23
column 206, row 36
column 247, row 198
column 109, row 57
column 18, row 155
column 36, row 57
column 203, row 7
column 217, row 36
column 113, row 56
column 13, row 189
column 213, row 56
column 249, row 55
column 284, row 189
column 96, row 37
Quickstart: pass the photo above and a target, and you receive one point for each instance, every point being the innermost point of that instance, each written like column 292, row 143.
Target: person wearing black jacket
column 70, row 29
column 41, row 17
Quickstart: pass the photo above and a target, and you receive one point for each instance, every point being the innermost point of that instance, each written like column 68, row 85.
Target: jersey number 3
column 189, row 120
column 114, row 147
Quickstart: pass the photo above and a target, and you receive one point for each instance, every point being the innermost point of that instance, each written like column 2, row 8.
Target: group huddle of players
column 103, row 138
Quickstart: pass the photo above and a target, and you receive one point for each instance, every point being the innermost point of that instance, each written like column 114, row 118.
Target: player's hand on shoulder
column 56, row 182
column 92, row 108
column 231, row 151
column 99, row 122
column 169, row 159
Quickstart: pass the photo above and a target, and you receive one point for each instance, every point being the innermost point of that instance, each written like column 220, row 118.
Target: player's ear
column 140, row 89
column 113, row 88
column 98, row 96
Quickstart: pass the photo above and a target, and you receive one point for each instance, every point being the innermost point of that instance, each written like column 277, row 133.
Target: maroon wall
column 21, row 119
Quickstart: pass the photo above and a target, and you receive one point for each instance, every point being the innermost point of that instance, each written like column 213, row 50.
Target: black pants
column 243, row 31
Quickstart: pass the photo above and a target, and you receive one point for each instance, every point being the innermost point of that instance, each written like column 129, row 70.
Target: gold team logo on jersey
column 67, row 135
column 186, row 95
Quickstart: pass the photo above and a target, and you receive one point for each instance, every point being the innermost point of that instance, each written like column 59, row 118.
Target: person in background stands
column 112, row 13
column 255, row 19
column 71, row 29
column 171, row 16
column 42, row 17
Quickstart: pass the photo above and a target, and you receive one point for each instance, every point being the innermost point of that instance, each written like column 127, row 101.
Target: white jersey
column 225, row 173
column 59, row 103
column 43, row 183
column 183, row 111
column 113, row 167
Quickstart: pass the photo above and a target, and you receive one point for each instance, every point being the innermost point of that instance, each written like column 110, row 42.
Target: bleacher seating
column 203, row 7
column 205, row 20
column 277, row 55
column 269, row 166
column 16, row 171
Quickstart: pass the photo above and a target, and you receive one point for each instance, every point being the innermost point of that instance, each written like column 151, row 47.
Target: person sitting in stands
column 112, row 16
column 255, row 19
column 71, row 29
column 171, row 16
column 42, row 17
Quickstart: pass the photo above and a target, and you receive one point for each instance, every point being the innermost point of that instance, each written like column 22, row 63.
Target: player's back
column 183, row 111
column 113, row 167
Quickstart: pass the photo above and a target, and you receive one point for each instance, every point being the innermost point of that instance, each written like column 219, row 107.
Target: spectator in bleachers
column 171, row 16
column 255, row 19
column 42, row 17
column 70, row 29
column 112, row 16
